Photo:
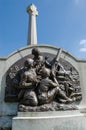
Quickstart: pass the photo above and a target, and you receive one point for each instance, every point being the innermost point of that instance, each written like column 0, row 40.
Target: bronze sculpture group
column 40, row 87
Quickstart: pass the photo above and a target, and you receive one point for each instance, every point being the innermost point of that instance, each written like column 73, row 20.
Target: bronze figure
column 28, row 82
column 48, row 90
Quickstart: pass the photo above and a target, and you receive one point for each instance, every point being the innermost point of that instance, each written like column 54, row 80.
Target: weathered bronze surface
column 43, row 82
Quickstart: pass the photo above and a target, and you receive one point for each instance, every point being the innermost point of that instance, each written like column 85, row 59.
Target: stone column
column 32, row 32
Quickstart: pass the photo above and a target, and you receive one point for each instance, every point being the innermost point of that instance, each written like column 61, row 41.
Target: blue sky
column 60, row 23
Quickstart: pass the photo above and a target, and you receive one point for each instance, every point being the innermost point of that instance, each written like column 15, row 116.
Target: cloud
column 83, row 42
column 83, row 49
column 83, row 45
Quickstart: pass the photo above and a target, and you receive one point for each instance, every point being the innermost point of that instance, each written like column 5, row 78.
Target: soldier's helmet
column 28, row 62
column 45, row 72
column 35, row 51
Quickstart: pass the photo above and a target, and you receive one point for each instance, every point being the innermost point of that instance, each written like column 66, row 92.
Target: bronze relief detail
column 43, row 82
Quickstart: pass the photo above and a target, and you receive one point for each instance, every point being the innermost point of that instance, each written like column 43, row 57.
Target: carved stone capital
column 32, row 10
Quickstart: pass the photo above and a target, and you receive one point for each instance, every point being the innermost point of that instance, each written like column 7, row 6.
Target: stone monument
column 32, row 33
column 42, row 86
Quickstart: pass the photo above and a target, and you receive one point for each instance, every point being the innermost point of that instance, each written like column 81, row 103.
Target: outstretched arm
column 53, row 84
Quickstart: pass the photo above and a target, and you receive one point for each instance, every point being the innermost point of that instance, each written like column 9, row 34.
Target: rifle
column 53, row 62
column 56, row 59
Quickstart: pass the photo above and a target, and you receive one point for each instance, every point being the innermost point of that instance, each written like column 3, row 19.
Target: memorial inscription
column 43, row 82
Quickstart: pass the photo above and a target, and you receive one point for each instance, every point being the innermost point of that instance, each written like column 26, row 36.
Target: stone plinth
column 62, row 120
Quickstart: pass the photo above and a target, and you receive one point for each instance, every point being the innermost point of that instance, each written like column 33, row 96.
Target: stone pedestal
column 60, row 120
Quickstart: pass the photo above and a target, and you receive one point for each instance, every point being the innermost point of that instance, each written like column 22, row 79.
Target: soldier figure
column 29, row 81
column 38, row 58
column 49, row 90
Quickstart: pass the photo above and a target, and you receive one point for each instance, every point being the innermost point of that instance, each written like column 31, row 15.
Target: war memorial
column 42, row 87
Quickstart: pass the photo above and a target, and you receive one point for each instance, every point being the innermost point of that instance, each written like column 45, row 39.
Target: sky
column 60, row 23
